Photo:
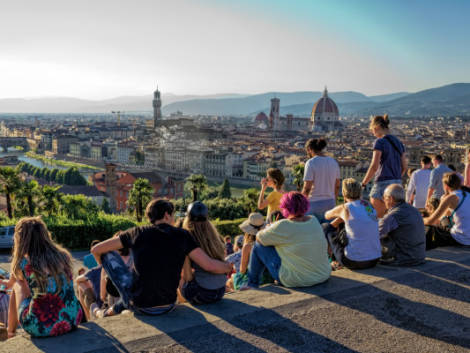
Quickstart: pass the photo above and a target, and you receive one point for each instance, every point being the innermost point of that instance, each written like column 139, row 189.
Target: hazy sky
column 106, row 48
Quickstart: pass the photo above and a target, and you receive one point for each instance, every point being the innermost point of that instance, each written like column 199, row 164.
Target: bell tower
column 157, row 104
column 274, row 122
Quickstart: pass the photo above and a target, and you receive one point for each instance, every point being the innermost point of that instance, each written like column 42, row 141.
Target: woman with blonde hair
column 43, row 299
column 357, row 245
column 199, row 286
column 388, row 163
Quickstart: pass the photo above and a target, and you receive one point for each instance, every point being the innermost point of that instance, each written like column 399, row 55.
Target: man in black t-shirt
column 159, row 251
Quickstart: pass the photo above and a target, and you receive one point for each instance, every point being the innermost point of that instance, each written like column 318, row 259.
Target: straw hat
column 253, row 224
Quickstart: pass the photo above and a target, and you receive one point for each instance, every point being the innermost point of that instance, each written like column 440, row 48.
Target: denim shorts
column 196, row 295
column 318, row 208
column 377, row 191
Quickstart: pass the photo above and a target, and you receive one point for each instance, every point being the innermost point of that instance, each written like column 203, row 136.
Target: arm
column 449, row 201
column 467, row 174
column 8, row 283
column 337, row 184
column 246, row 251
column 262, row 203
column 103, row 292
column 386, row 225
column 374, row 165
column 208, row 264
column 336, row 212
column 104, row 247
column 404, row 164
column 411, row 189
column 308, row 184
column 187, row 272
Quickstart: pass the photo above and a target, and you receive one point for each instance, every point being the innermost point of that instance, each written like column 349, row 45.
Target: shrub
column 229, row 227
column 78, row 234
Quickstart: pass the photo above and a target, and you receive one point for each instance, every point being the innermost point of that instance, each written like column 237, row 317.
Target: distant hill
column 453, row 99
column 75, row 105
column 254, row 103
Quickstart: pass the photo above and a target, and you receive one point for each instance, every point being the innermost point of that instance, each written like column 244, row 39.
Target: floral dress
column 52, row 313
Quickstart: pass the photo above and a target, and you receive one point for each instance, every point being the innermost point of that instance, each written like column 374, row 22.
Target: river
column 37, row 163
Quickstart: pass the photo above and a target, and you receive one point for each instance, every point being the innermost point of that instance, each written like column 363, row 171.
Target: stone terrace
column 419, row 309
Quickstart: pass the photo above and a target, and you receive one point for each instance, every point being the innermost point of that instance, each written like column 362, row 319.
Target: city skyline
column 110, row 49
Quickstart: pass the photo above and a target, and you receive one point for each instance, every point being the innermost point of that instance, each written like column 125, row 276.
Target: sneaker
column 94, row 308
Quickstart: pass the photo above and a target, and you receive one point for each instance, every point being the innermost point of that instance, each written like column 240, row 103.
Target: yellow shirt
column 274, row 200
column 302, row 248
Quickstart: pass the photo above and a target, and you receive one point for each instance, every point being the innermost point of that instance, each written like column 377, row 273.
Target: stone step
column 130, row 333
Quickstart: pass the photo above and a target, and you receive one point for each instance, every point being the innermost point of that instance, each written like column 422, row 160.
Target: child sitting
column 235, row 258
column 228, row 245
column 251, row 227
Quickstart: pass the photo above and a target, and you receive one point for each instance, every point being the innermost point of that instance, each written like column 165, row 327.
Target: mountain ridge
column 452, row 99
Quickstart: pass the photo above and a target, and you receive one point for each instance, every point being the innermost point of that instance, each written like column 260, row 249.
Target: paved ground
column 421, row 309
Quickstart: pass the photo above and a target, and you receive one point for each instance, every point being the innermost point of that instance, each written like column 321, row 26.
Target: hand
column 229, row 268
column 264, row 183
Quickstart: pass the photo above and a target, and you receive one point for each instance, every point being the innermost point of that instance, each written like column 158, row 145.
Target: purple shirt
column 390, row 160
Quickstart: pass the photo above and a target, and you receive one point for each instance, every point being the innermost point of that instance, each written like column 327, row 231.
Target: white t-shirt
column 323, row 171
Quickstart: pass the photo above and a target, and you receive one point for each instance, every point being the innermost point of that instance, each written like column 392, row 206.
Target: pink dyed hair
column 293, row 204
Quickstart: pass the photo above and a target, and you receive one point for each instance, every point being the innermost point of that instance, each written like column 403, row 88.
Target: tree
column 197, row 183
column 9, row 184
column 51, row 198
column 53, row 175
column 78, row 207
column 60, row 177
column 249, row 199
column 140, row 194
column 105, row 207
column 27, row 197
column 298, row 173
column 225, row 192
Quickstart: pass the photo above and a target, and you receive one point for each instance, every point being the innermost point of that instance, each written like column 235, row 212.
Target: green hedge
column 78, row 234
column 229, row 227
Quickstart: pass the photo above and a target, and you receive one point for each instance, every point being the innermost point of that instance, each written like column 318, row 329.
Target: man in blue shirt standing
column 436, row 188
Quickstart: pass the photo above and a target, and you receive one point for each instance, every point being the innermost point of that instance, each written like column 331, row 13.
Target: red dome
column 261, row 118
column 325, row 105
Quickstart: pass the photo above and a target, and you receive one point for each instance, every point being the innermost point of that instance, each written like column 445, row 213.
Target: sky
column 107, row 48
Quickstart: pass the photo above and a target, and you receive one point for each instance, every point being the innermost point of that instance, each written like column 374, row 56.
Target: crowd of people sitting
column 305, row 235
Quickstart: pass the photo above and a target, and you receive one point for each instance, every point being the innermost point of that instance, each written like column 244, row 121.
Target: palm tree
column 51, row 199
column 298, row 173
column 28, row 195
column 197, row 183
column 9, row 184
column 140, row 194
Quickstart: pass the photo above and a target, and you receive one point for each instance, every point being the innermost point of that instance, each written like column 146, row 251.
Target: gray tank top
column 206, row 279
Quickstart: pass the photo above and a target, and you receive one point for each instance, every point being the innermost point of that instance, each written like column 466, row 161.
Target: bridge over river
column 6, row 142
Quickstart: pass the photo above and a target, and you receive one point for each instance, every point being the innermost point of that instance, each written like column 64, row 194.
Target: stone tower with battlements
column 157, row 105
column 274, row 121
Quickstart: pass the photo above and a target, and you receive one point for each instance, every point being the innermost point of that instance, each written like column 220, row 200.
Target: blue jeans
column 122, row 279
column 318, row 208
column 263, row 257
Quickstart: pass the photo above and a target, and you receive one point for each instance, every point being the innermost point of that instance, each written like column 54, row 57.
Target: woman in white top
column 455, row 204
column 357, row 245
column 321, row 179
